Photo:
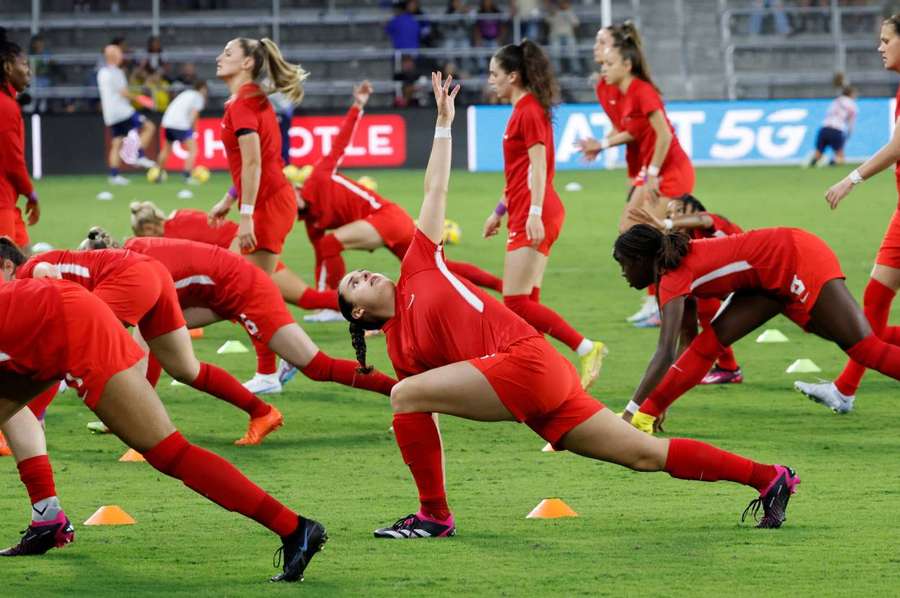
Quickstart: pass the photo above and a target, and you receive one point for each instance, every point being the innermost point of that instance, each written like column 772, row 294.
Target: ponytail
column 535, row 72
column 10, row 251
column 98, row 238
column 627, row 41
column 283, row 76
column 145, row 212
column 646, row 242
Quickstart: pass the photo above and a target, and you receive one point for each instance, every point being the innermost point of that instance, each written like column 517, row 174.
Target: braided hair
column 9, row 51
column 641, row 242
column 98, row 238
column 692, row 202
column 358, row 329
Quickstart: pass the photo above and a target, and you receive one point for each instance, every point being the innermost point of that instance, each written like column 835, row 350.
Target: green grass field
column 637, row 534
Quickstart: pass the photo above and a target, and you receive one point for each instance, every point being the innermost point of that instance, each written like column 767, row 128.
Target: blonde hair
column 282, row 76
column 98, row 238
column 145, row 212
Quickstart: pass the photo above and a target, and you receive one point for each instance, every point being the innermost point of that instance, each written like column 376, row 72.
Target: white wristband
column 652, row 170
column 535, row 210
column 632, row 407
column 668, row 224
column 855, row 177
column 604, row 143
column 442, row 133
column 246, row 209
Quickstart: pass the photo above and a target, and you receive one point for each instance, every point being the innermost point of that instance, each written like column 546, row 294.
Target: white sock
column 46, row 509
column 584, row 347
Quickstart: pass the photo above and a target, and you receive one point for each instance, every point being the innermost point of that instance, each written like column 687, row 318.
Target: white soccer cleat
column 325, row 315
column 826, row 393
column 286, row 371
column 647, row 310
column 145, row 162
column 118, row 180
column 263, row 384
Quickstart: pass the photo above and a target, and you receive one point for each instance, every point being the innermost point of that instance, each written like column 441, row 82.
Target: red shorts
column 264, row 313
column 540, row 387
column 395, row 228
column 143, row 295
column 675, row 180
column 816, row 265
column 8, row 227
column 889, row 252
column 273, row 218
column 516, row 239
column 99, row 347
column 21, row 235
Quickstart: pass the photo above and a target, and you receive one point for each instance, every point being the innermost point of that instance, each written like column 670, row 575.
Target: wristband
column 604, row 143
column 442, row 133
column 246, row 209
column 855, row 177
column 500, row 210
column 232, row 193
column 652, row 170
column 668, row 224
column 33, row 197
column 535, row 210
column 632, row 407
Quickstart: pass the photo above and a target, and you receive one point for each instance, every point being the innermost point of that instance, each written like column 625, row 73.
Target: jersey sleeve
column 329, row 163
column 676, row 283
column 242, row 115
column 647, row 100
column 420, row 255
column 533, row 126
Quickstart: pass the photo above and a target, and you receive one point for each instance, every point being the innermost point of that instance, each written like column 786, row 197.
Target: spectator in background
column 284, row 113
column 458, row 33
column 529, row 13
column 429, row 36
column 187, row 74
column 403, row 28
column 41, row 69
column 562, row 22
column 488, row 31
column 776, row 8
column 408, row 77
column 153, row 62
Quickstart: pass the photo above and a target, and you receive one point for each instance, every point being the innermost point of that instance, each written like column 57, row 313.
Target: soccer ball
column 155, row 174
column 200, row 174
column 452, row 232
column 295, row 175
column 368, row 182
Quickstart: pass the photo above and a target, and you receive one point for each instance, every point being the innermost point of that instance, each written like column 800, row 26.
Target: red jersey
column 610, row 98
column 14, row 179
column 440, row 319
column 87, row 268
column 722, row 227
column 332, row 199
column 639, row 102
column 763, row 259
column 250, row 109
column 32, row 338
column 193, row 225
column 528, row 126
column 896, row 116
column 204, row 275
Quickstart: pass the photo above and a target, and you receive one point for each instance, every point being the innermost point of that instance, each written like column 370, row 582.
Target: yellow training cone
column 551, row 508
column 131, row 456
column 110, row 515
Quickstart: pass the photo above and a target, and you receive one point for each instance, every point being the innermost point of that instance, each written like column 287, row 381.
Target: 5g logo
column 778, row 136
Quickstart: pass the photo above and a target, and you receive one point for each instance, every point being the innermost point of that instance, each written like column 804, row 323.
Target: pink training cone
column 551, row 508
column 131, row 456
column 110, row 515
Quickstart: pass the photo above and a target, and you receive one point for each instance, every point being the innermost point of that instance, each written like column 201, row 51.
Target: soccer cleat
column 97, row 428
column 719, row 375
column 648, row 308
column 286, row 371
column 418, row 525
column 118, row 180
column 826, row 393
column 298, row 549
column 591, row 363
column 5, row 451
column 774, row 500
column 145, row 162
column 643, row 422
column 260, row 427
column 41, row 536
column 325, row 315
column 263, row 384
column 653, row 321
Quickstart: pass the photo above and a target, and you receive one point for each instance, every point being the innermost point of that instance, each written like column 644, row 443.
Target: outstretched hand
column 361, row 93
column 444, row 97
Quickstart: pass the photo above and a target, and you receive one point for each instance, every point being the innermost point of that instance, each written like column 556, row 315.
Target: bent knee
column 403, row 397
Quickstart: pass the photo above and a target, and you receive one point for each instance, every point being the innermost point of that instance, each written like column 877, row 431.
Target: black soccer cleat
column 774, row 500
column 417, row 525
column 42, row 536
column 298, row 549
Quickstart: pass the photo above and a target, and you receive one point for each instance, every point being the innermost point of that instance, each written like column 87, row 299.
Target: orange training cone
column 551, row 508
column 195, row 332
column 110, row 515
column 131, row 456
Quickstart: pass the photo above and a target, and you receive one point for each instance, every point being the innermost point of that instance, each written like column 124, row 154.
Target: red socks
column 218, row 480
column 328, row 258
column 707, row 308
column 220, row 384
column 872, row 352
column 877, row 301
column 476, row 275
column 685, row 373
column 154, row 369
column 695, row 460
column 544, row 319
column 313, row 299
column 265, row 358
column 727, row 361
column 420, row 445
column 323, row 368
column 37, row 475
column 39, row 404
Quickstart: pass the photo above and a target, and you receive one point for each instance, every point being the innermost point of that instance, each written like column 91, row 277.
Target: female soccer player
column 141, row 293
column 252, row 142
column 838, row 124
column 15, row 75
column 40, row 319
column 885, row 278
column 459, row 352
column 178, row 125
column 521, row 74
column 341, row 213
column 769, row 271
column 689, row 215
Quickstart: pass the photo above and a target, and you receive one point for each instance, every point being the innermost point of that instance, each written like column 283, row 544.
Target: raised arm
column 330, row 161
column 437, row 175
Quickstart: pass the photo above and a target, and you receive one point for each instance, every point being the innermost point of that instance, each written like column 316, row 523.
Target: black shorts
column 173, row 135
column 828, row 137
column 123, row 127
